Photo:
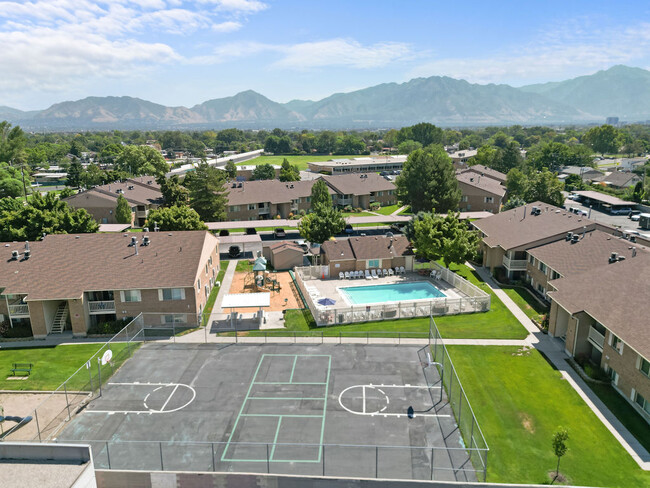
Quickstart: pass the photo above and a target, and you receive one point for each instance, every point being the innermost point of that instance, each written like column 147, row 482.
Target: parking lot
column 619, row 221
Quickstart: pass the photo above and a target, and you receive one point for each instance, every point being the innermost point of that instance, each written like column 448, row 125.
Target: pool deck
column 329, row 288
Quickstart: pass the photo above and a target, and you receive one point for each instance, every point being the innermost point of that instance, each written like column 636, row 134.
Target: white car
column 635, row 218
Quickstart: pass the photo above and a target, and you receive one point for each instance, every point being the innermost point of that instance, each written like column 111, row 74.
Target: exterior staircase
column 60, row 319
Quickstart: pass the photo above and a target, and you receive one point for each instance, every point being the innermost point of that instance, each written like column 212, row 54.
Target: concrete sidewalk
column 553, row 349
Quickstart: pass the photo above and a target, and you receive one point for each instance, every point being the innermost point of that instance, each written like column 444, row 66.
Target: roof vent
column 149, row 182
column 613, row 257
column 240, row 185
column 130, row 187
column 234, row 185
column 27, row 254
column 14, row 255
column 134, row 241
column 145, row 229
column 536, row 211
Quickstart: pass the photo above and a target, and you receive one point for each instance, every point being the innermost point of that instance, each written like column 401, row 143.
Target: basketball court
column 334, row 410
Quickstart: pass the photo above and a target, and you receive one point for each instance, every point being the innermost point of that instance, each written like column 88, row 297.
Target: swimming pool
column 395, row 292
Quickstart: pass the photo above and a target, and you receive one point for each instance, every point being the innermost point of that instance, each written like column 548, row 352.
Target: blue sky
column 178, row 52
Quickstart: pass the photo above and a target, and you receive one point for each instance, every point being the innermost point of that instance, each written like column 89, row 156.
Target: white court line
column 364, row 410
column 162, row 409
column 148, row 410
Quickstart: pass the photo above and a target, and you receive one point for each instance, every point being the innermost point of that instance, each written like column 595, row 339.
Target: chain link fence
column 85, row 384
column 465, row 419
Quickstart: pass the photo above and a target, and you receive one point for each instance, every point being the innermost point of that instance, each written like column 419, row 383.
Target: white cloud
column 303, row 56
column 229, row 26
column 242, row 6
column 557, row 54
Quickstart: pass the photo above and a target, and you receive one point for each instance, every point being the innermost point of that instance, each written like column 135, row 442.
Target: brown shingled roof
column 64, row 266
column 518, row 228
column 142, row 190
column 273, row 191
column 482, row 182
column 366, row 247
column 485, row 171
column 592, row 251
column 616, row 295
column 359, row 183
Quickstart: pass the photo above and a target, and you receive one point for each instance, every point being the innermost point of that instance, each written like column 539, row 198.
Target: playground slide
column 20, row 421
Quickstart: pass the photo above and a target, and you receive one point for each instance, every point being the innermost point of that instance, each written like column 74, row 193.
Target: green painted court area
column 300, row 161
column 287, row 399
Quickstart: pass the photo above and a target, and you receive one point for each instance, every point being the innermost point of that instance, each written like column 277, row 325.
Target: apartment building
column 367, row 252
column 266, row 199
column 479, row 192
column 603, row 314
column 358, row 165
column 142, row 193
column 361, row 189
column 69, row 282
column 481, row 170
column 578, row 252
column 507, row 236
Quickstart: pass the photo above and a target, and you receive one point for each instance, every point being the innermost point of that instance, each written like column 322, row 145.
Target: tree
column 638, row 194
column 320, row 196
column 349, row 144
column 436, row 237
column 603, row 139
column 560, row 448
column 408, row 146
column 173, row 192
column 544, row 186
column 75, row 174
column 322, row 224
column 513, row 202
column 44, row 214
column 289, row 172
column 123, row 211
column 428, row 181
column 11, row 187
column 263, row 172
column 553, row 155
column 12, row 142
column 231, row 169
column 326, row 142
column 175, row 218
column 141, row 160
column 516, row 183
column 208, row 195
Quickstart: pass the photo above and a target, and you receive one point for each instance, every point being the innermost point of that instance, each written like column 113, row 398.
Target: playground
column 23, row 405
column 344, row 410
column 260, row 280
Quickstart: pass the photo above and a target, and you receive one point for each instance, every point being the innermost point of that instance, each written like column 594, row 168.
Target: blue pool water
column 419, row 290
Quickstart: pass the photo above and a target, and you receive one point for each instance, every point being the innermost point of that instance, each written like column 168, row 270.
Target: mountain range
column 620, row 91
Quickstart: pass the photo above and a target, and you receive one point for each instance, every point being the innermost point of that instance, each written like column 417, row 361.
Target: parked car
column 397, row 227
column 251, row 231
column 633, row 213
column 635, row 218
column 279, row 232
column 620, row 211
column 303, row 244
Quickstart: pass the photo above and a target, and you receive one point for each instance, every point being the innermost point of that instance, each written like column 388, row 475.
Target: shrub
column 375, row 206
column 224, row 232
column 347, row 208
column 358, row 209
column 17, row 331
column 110, row 327
column 302, row 213
column 234, row 251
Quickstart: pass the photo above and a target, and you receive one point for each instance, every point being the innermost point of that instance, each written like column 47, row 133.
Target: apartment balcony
column 101, row 307
column 19, row 310
column 596, row 339
column 514, row 264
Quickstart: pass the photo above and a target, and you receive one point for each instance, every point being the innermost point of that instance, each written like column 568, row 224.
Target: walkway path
column 553, row 349
column 225, row 286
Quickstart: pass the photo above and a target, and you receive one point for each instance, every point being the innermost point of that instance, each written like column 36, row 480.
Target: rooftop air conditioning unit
column 613, row 257
column 569, row 236
column 27, row 253
column 145, row 241
column 130, row 187
column 14, row 255
column 575, row 238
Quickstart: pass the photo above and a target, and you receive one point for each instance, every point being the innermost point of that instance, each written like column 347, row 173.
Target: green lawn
column 406, row 211
column 209, row 304
column 525, row 301
column 258, row 229
column 389, row 209
column 358, row 214
column 624, row 412
column 498, row 323
column 243, row 266
column 519, row 401
column 53, row 365
column 300, row 161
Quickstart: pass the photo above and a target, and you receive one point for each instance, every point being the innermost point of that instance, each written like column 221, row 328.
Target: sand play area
column 284, row 299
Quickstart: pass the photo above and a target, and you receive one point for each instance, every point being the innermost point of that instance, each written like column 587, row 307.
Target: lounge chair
column 341, row 275
column 373, row 273
column 402, row 270
column 432, row 274
column 368, row 276
column 384, row 272
column 390, row 272
column 356, row 274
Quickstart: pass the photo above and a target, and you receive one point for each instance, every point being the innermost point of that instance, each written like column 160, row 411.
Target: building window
column 307, row 199
column 489, row 200
column 165, row 294
column 233, row 208
column 616, row 343
column 555, row 275
column 463, row 198
column 642, row 402
column 531, row 259
column 198, row 284
column 131, row 296
column 542, row 267
column 251, row 206
column 173, row 318
column 613, row 375
column 374, row 263
column 644, row 367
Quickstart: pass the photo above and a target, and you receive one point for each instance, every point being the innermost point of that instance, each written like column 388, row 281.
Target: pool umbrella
column 326, row 301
